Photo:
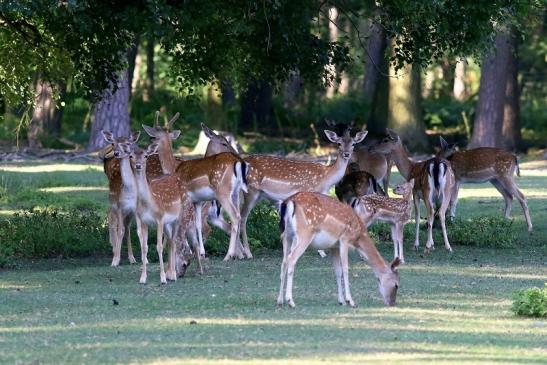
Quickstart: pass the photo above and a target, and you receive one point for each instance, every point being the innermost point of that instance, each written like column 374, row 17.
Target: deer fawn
column 356, row 184
column 483, row 164
column 325, row 223
column 163, row 202
column 373, row 208
column 433, row 182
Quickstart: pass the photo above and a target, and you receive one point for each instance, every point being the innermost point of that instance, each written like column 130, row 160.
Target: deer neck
column 375, row 260
column 335, row 172
column 167, row 158
column 402, row 161
column 128, row 179
column 143, row 189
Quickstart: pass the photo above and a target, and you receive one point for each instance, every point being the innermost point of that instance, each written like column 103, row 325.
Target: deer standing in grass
column 433, row 182
column 356, row 184
column 162, row 202
column 396, row 211
column 483, row 164
column 325, row 223
column 169, row 164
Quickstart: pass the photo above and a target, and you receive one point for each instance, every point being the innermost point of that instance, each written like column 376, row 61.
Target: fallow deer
column 433, row 182
column 483, row 164
column 325, row 223
column 163, row 202
column 396, row 211
column 355, row 184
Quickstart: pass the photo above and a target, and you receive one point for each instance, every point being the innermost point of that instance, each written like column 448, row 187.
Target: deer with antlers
column 325, row 223
column 220, row 177
column 483, row 164
column 434, row 181
column 396, row 211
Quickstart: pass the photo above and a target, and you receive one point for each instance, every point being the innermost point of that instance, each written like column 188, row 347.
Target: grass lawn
column 450, row 308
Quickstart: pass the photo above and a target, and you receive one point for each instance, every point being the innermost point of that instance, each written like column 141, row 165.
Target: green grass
column 452, row 309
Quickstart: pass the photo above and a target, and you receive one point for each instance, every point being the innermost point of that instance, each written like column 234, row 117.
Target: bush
column 531, row 302
column 49, row 233
column 496, row 232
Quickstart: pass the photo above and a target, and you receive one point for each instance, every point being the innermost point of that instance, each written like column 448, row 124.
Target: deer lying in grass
column 483, row 164
column 395, row 211
column 162, row 202
column 325, row 223
column 356, row 184
column 433, row 182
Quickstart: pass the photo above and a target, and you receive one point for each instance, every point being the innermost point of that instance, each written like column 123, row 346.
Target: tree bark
column 111, row 114
column 256, row 107
column 488, row 122
column 53, row 125
column 459, row 90
column 228, row 94
column 512, row 138
column 291, row 91
column 131, row 62
column 405, row 108
column 333, row 37
column 447, row 88
column 41, row 114
column 376, row 84
column 149, row 82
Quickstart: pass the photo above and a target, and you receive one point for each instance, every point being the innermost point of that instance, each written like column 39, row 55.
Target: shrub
column 483, row 232
column 531, row 302
column 50, row 233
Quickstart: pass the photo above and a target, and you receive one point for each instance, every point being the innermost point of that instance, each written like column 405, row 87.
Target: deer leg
column 249, row 201
column 511, row 187
column 345, row 272
column 400, row 232
column 337, row 266
column 159, row 248
column 508, row 197
column 454, row 200
column 171, row 231
column 417, row 218
column 283, row 275
column 199, row 226
column 244, row 249
column 429, row 205
column 442, row 216
column 396, row 252
column 127, row 223
column 235, row 219
column 142, row 232
column 113, row 234
column 195, row 246
column 302, row 241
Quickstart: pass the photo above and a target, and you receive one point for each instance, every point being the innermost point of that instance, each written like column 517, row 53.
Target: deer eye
column 396, row 286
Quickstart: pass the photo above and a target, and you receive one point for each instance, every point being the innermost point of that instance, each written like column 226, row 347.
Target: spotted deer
column 325, row 223
column 169, row 163
column 396, row 211
column 162, row 202
column 483, row 164
column 433, row 182
column 356, row 184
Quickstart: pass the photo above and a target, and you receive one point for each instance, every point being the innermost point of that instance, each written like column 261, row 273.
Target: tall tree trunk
column 291, row 91
column 111, row 114
column 149, row 83
column 256, row 106
column 228, row 94
column 41, row 114
column 131, row 62
column 447, row 66
column 376, row 83
column 405, row 107
column 489, row 116
column 459, row 90
column 512, row 138
column 333, row 37
column 56, row 112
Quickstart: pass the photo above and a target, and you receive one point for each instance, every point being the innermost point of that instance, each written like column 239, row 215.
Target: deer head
column 389, row 143
column 388, row 283
column 163, row 135
column 118, row 143
column 405, row 188
column 220, row 142
column 139, row 156
column 447, row 149
column 346, row 142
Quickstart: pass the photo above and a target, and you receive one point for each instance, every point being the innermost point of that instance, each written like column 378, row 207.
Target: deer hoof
column 291, row 304
column 132, row 260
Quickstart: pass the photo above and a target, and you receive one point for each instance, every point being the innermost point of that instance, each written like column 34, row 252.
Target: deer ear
column 332, row 136
column 411, row 182
column 331, row 123
column 359, row 136
column 354, row 202
column 444, row 144
column 152, row 149
column 109, row 137
column 396, row 262
column 150, row 131
column 135, row 136
column 208, row 131
column 174, row 134
column 391, row 133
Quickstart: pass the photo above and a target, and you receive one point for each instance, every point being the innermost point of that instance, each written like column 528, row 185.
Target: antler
column 170, row 123
column 156, row 122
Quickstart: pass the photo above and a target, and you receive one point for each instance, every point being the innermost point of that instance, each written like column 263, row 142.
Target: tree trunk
column 333, row 37
column 376, row 84
column 489, row 116
column 256, row 107
column 131, row 62
column 228, row 94
column 459, row 89
column 291, row 91
column 512, row 138
column 41, row 114
column 447, row 85
column 53, row 126
column 149, row 82
column 405, row 108
column 111, row 114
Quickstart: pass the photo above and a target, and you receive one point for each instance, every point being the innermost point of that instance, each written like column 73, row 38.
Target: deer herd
column 182, row 198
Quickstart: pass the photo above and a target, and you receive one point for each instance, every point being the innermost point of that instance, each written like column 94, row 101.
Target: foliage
column 531, row 302
column 51, row 233
column 484, row 231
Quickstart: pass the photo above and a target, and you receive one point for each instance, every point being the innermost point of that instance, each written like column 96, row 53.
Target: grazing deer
column 325, row 223
column 433, row 182
column 483, row 164
column 376, row 164
column 169, row 164
column 122, row 196
column 395, row 211
column 163, row 202
column 356, row 184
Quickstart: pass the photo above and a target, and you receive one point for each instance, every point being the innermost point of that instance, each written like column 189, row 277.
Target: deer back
column 483, row 163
